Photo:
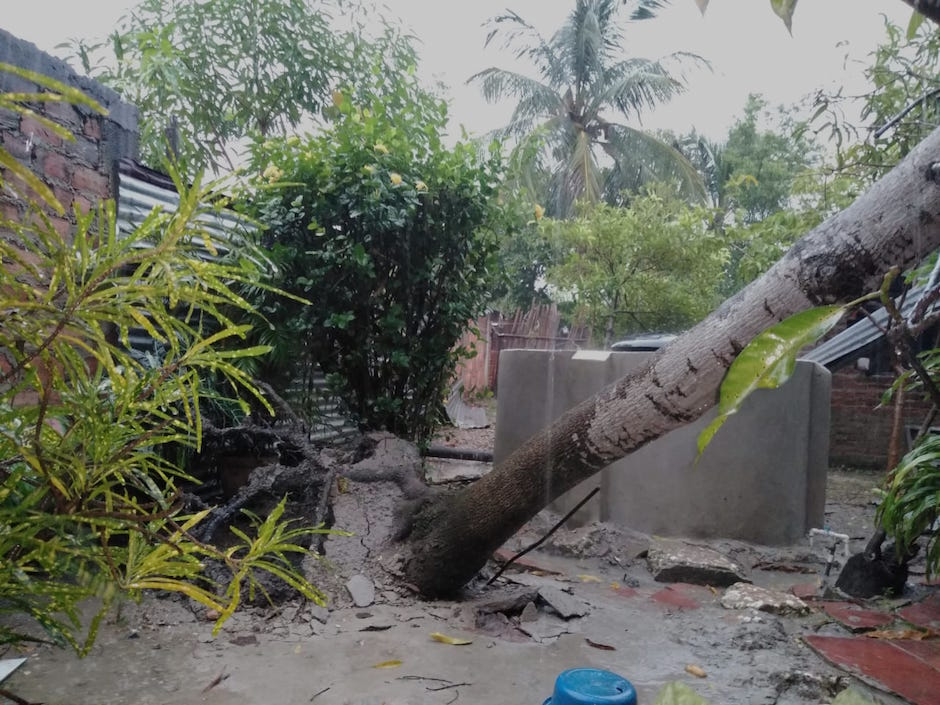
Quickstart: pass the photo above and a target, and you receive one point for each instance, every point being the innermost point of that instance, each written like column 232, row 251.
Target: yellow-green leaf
column 679, row 694
column 394, row 663
column 585, row 578
column 852, row 696
column 67, row 93
column 914, row 24
column 44, row 192
column 453, row 641
column 784, row 10
column 769, row 360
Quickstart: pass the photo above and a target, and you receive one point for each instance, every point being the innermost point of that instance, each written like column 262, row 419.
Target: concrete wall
column 762, row 479
column 80, row 171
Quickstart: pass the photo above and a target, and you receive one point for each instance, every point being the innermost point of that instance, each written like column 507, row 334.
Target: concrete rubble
column 675, row 561
column 361, row 590
column 741, row 596
column 563, row 603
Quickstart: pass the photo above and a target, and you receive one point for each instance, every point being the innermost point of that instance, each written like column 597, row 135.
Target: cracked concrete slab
column 675, row 561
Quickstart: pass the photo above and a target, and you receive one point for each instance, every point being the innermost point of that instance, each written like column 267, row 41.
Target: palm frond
column 646, row 9
column 527, row 41
column 496, row 83
column 641, row 158
column 635, row 85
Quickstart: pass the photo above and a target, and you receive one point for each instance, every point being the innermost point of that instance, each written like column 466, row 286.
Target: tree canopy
column 582, row 85
column 207, row 76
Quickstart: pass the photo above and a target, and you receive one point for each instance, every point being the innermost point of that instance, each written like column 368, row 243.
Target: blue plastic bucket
column 591, row 686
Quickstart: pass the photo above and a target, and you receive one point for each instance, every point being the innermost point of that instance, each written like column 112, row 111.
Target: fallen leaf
column 215, row 681
column 679, row 694
column 342, row 484
column 915, row 634
column 851, row 696
column 615, row 586
column 713, row 589
column 589, row 578
column 696, row 671
column 453, row 641
column 394, row 663
column 598, row 645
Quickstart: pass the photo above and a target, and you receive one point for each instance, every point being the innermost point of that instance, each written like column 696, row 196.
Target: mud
column 162, row 651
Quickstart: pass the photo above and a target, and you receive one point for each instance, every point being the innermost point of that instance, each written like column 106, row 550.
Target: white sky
column 748, row 46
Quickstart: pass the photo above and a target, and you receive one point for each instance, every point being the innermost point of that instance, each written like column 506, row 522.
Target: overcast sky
column 749, row 48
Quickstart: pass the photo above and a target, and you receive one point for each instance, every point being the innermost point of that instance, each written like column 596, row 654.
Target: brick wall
column 860, row 431
column 80, row 171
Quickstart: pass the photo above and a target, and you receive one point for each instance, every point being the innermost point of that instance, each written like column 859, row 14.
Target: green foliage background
column 384, row 228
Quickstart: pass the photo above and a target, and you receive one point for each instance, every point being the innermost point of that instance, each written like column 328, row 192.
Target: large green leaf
column 769, row 360
column 784, row 10
column 677, row 693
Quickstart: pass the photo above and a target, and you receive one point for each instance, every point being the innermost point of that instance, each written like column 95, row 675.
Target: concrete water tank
column 762, row 479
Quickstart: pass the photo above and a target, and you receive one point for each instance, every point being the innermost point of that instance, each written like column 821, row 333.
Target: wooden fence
column 539, row 328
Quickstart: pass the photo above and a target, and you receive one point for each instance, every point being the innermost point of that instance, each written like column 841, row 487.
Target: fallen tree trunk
column 897, row 222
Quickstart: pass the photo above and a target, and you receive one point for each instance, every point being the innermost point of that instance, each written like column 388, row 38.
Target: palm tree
column 580, row 79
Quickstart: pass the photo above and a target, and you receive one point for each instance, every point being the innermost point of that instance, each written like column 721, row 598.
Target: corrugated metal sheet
column 857, row 336
column 140, row 190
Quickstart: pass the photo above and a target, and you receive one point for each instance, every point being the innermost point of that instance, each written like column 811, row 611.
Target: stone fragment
column 321, row 614
column 362, row 590
column 672, row 561
column 530, row 613
column 742, row 596
column 533, row 581
column 564, row 604
column 510, row 599
column 546, row 628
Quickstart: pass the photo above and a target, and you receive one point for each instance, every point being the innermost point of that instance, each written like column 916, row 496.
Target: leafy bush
column 383, row 227
column 910, row 504
column 89, row 507
column 653, row 266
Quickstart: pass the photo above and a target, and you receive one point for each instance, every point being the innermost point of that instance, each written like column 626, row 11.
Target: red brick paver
column 890, row 665
column 856, row 618
column 924, row 614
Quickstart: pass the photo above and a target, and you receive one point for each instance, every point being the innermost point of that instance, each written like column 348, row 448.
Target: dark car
column 643, row 343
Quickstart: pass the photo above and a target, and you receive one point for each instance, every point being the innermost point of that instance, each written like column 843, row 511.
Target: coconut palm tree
column 582, row 78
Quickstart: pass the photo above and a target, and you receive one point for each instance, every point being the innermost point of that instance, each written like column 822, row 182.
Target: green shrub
column 89, row 506
column 383, row 227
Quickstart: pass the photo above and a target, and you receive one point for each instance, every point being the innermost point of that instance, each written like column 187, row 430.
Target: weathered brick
column 86, row 151
column 63, row 113
column 16, row 144
column 55, row 166
column 85, row 204
column 92, row 128
column 39, row 132
column 90, row 182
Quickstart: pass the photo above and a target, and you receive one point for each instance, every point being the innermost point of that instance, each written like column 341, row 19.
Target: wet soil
column 162, row 651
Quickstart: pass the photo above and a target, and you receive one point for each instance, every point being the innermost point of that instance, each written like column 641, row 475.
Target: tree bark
column 897, row 222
